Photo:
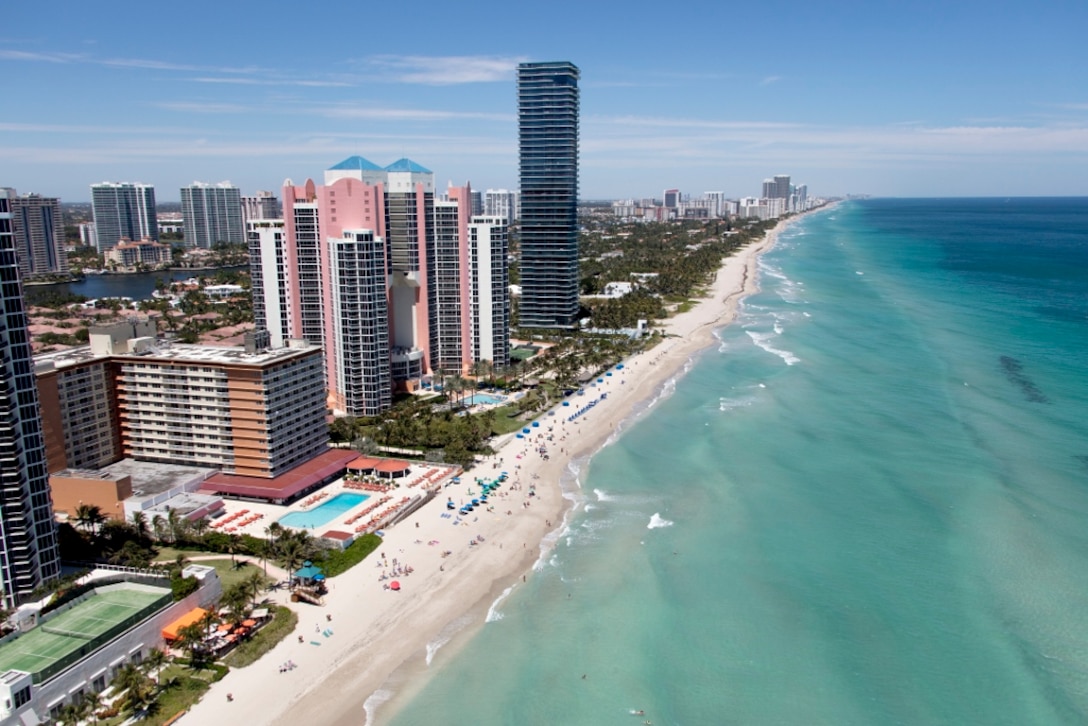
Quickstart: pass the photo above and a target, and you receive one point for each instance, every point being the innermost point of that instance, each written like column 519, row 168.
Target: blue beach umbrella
column 520, row 436
column 609, row 373
column 566, row 403
column 536, row 424
column 619, row 366
column 525, row 431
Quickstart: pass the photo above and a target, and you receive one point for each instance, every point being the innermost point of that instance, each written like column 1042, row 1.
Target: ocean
column 867, row 504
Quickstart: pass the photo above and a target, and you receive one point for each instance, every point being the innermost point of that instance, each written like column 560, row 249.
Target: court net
column 69, row 633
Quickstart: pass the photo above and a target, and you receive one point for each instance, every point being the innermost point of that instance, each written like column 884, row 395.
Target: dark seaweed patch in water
column 1014, row 371
column 1083, row 460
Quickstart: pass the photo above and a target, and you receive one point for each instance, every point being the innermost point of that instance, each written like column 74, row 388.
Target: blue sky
column 949, row 98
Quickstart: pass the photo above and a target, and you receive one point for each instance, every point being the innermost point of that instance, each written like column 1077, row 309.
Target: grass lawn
column 506, row 420
column 228, row 572
column 283, row 622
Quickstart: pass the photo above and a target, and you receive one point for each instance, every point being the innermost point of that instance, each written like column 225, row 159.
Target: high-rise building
column 360, row 323
column 671, row 198
column 548, row 169
column 489, row 284
column 782, row 186
column 39, row 234
column 212, row 214
column 28, row 542
column 381, row 274
column 123, row 211
column 770, row 189
column 262, row 205
column 250, row 411
column 501, row 203
column 269, row 277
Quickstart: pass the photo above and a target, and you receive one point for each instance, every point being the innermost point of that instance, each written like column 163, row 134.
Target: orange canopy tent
column 170, row 632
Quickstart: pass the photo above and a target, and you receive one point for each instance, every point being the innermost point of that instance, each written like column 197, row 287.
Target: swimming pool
column 323, row 513
column 483, row 398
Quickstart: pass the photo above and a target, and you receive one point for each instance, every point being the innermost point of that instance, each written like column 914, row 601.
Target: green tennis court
column 72, row 631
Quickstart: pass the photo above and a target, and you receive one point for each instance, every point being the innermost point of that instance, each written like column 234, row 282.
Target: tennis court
column 80, row 629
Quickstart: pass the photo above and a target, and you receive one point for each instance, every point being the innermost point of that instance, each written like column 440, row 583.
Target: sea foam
column 657, row 521
column 493, row 612
column 760, row 339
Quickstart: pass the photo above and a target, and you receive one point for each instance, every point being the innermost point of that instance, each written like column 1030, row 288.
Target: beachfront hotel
column 389, row 280
column 548, row 169
column 123, row 211
column 28, row 544
column 210, row 417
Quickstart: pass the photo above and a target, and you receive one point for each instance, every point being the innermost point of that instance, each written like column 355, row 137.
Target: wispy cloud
column 201, row 107
column 22, row 55
column 308, row 82
column 444, row 70
column 768, row 80
column 408, row 114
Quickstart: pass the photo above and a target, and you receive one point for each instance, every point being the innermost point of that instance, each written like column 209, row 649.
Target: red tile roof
column 286, row 485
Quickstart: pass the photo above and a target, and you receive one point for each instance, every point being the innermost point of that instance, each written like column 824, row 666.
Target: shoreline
column 382, row 641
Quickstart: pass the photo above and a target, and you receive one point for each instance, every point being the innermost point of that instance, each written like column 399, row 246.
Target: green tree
column 154, row 663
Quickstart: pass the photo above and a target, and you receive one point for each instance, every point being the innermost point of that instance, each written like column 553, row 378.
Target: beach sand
column 378, row 632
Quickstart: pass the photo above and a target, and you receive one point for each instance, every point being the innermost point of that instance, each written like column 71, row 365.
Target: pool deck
column 253, row 518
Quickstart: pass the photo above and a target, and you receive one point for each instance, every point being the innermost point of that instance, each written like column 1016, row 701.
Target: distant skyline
column 920, row 99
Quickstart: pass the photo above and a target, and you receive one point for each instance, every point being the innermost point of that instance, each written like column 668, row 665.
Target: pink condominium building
column 381, row 274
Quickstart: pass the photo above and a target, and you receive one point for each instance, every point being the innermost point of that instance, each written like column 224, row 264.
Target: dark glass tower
column 548, row 166
column 28, row 541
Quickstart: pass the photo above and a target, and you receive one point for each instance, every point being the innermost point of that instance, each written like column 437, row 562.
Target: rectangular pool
column 483, row 398
column 323, row 513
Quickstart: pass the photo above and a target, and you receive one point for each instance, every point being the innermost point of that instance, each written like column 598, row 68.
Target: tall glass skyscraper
column 28, row 542
column 548, row 167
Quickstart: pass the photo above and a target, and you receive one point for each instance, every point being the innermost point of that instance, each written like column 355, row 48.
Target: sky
column 881, row 97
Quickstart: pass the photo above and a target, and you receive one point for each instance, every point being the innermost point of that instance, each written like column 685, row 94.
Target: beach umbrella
column 475, row 502
column 609, row 373
column 566, row 403
column 525, row 430
column 394, row 585
column 536, row 424
column 619, row 366
column 600, row 380
column 520, row 436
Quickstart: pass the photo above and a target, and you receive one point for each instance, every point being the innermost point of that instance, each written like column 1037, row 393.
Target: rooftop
column 320, row 468
column 408, row 165
column 167, row 351
column 43, row 653
column 150, row 479
column 356, row 162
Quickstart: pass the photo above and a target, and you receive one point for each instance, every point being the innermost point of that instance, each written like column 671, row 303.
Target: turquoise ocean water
column 867, row 505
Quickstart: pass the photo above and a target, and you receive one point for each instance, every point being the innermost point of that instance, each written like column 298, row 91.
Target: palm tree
column 181, row 562
column 94, row 703
column 89, row 516
column 158, row 526
column 139, row 521
column 236, row 600
column 191, row 640
column 291, row 554
column 254, row 583
column 200, row 526
column 175, row 523
column 154, row 662
column 139, row 691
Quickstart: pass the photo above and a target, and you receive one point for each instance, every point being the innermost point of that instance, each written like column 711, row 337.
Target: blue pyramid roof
column 407, row 165
column 356, row 162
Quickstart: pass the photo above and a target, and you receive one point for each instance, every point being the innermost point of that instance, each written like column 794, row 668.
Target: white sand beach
column 377, row 632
